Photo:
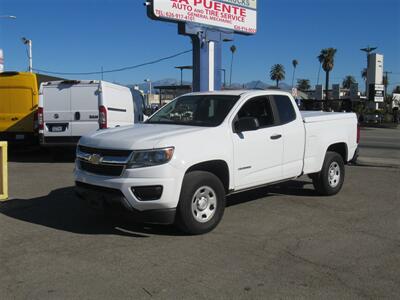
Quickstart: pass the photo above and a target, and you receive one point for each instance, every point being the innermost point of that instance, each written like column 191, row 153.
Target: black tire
column 330, row 180
column 189, row 211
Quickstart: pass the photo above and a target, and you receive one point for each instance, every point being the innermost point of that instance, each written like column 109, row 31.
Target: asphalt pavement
column 278, row 242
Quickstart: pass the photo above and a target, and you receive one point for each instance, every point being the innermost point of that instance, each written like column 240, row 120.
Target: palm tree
column 295, row 62
column 327, row 59
column 348, row 81
column 277, row 73
column 303, row 84
column 233, row 50
column 364, row 74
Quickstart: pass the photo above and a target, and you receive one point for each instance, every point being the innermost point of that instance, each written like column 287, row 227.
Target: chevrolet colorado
column 180, row 164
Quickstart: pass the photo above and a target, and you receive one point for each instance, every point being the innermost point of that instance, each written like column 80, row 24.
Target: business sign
column 376, row 92
column 237, row 15
column 1, row 61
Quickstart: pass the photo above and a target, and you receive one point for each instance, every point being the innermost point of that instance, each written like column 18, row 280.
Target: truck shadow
column 61, row 209
column 31, row 154
column 290, row 188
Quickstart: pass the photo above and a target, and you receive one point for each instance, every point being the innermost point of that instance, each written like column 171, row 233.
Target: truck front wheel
column 330, row 180
column 201, row 203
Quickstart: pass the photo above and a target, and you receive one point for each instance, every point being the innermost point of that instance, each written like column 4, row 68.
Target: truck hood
column 136, row 137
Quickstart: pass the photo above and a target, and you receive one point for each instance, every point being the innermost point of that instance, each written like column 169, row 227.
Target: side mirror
column 246, row 124
column 148, row 111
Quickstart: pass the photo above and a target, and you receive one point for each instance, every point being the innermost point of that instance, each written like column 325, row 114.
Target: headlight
column 148, row 158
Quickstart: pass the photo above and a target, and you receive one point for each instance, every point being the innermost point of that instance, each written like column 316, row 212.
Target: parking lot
column 277, row 242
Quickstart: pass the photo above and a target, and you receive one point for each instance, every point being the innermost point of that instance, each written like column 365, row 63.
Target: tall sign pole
column 368, row 50
column 208, row 23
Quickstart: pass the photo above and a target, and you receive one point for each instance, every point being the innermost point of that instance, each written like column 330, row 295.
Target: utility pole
column 29, row 44
column 149, row 91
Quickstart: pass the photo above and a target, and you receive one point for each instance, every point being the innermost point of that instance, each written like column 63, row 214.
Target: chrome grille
column 106, row 162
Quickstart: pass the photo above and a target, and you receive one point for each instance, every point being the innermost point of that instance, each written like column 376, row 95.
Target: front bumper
column 166, row 176
column 101, row 198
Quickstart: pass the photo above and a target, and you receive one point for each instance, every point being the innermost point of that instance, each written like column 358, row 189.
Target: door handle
column 276, row 136
column 77, row 115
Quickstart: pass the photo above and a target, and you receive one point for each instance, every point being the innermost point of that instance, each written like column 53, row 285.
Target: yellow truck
column 19, row 98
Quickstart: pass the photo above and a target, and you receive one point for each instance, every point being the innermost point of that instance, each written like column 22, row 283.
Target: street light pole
column 8, row 17
column 30, row 56
column 149, row 91
column 29, row 44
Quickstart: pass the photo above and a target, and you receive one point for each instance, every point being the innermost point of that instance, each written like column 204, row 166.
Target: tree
column 385, row 82
column 327, row 59
column 303, row 84
column 233, row 50
column 364, row 74
column 396, row 90
column 348, row 81
column 277, row 73
column 294, row 64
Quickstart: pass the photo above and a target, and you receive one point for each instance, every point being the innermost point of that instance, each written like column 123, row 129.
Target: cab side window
column 259, row 108
column 285, row 109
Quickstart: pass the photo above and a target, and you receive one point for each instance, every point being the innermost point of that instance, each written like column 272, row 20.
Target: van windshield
column 196, row 110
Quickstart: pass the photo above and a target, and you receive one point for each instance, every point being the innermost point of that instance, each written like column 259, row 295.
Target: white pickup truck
column 180, row 164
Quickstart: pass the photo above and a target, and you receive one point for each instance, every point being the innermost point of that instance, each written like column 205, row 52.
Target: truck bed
column 319, row 116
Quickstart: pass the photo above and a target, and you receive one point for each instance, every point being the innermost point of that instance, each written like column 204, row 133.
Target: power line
column 115, row 70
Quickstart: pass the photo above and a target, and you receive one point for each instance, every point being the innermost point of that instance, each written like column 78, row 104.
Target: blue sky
column 81, row 36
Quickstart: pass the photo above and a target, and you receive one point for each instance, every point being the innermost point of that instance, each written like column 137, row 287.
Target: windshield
column 197, row 110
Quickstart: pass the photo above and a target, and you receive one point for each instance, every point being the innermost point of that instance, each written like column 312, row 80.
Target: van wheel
column 201, row 203
column 330, row 180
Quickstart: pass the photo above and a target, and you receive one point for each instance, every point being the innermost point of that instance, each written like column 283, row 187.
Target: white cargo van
column 71, row 109
column 139, row 105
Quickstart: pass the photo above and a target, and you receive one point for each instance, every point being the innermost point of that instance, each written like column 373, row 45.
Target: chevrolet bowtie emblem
column 95, row 159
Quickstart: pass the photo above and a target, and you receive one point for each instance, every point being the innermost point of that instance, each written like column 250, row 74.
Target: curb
column 377, row 162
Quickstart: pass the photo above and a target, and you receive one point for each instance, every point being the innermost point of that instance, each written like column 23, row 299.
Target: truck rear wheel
column 201, row 203
column 330, row 179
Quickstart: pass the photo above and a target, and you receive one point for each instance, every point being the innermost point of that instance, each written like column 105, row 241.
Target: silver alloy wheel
column 204, row 204
column 334, row 174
